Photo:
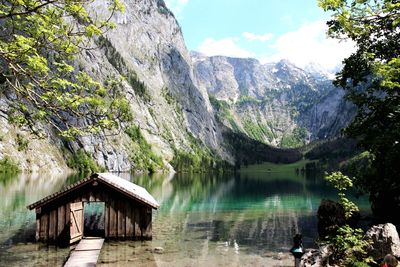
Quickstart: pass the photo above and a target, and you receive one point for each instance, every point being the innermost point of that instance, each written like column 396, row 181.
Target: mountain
column 275, row 103
column 171, row 114
column 188, row 109
column 319, row 72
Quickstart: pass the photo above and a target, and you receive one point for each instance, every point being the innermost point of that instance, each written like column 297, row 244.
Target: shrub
column 83, row 163
column 8, row 166
column 348, row 245
column 142, row 156
column 22, row 143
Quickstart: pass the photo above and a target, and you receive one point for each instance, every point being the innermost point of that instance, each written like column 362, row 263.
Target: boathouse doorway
column 94, row 219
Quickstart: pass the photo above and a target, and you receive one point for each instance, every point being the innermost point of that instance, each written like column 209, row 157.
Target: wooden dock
column 86, row 253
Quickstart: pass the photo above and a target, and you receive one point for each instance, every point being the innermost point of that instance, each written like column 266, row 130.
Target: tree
column 371, row 78
column 40, row 79
column 348, row 246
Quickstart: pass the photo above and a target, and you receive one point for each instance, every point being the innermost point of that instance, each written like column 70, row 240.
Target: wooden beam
column 107, row 220
column 37, row 235
column 60, row 220
column 121, row 218
column 138, row 232
column 53, row 224
column 129, row 221
column 113, row 222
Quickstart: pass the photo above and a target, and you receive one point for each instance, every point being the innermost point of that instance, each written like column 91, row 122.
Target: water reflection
column 204, row 220
column 18, row 191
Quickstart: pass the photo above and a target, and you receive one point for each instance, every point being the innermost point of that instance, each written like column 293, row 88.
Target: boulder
column 312, row 258
column 316, row 257
column 331, row 216
column 384, row 240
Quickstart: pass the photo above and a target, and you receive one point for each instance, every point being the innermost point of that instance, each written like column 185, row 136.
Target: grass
column 8, row 169
column 8, row 165
column 258, row 131
column 83, row 163
column 142, row 156
column 276, row 167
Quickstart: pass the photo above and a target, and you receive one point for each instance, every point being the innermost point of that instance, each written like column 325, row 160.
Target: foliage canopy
column 371, row 78
column 39, row 77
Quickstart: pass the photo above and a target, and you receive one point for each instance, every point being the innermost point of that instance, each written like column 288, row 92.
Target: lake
column 244, row 219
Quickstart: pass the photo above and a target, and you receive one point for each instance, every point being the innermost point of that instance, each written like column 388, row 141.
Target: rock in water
column 330, row 217
column 311, row 258
column 158, row 250
column 316, row 257
column 385, row 240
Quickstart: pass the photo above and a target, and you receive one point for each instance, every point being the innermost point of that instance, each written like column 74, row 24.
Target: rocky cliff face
column 148, row 50
column 151, row 48
column 279, row 104
column 168, row 91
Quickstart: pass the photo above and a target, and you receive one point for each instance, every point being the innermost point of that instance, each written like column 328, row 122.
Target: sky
column 268, row 30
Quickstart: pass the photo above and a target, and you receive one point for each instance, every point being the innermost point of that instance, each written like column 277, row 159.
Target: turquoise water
column 203, row 220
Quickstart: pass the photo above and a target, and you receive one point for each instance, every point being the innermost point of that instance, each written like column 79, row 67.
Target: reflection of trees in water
column 268, row 232
column 257, row 212
column 17, row 223
column 260, row 211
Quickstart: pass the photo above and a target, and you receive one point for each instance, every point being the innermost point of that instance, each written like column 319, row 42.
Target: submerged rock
column 158, row 250
column 384, row 240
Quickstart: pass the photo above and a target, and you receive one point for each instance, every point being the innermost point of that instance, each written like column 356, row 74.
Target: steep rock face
column 328, row 116
column 28, row 151
column 276, row 103
column 150, row 46
column 148, row 50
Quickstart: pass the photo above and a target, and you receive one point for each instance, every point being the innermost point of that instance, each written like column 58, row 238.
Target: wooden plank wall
column 53, row 224
column 124, row 217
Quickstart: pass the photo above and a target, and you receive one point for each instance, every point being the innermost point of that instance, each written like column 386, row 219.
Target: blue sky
column 268, row 30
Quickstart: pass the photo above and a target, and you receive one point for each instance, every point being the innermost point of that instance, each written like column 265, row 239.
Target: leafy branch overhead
column 39, row 43
column 371, row 78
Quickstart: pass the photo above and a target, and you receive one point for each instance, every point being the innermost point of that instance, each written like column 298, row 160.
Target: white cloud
column 176, row 6
column 310, row 44
column 254, row 37
column 224, row 47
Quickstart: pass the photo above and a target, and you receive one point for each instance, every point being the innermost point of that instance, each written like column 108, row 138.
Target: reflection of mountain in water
column 273, row 231
column 252, row 212
column 254, row 230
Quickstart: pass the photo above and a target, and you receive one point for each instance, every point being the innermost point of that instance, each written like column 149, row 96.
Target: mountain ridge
column 173, row 98
column 275, row 103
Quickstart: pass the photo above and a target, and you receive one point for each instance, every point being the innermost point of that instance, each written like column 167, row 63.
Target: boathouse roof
column 122, row 185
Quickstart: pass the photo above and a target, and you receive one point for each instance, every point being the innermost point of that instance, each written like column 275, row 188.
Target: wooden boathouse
column 122, row 210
